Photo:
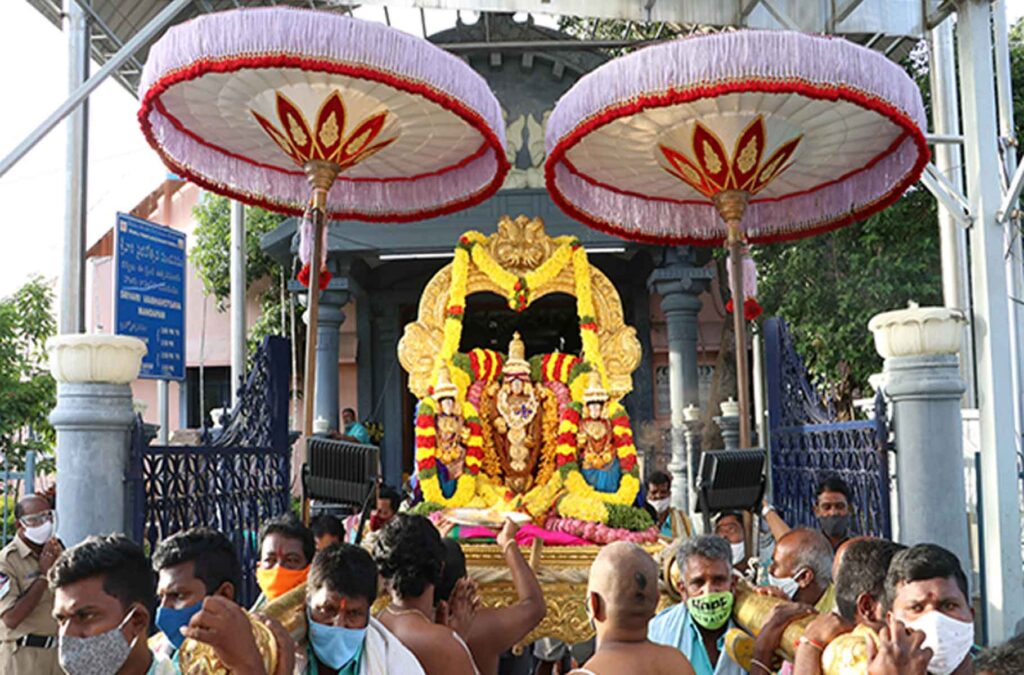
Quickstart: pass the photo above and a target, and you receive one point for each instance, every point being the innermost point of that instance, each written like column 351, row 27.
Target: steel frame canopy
column 985, row 218
column 890, row 26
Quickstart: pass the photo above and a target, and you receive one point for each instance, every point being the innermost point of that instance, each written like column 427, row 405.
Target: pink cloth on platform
column 525, row 536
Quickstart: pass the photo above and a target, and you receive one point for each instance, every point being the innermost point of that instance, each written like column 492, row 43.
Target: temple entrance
column 548, row 325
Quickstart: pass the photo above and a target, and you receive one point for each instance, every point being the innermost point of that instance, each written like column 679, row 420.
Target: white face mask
column 40, row 534
column 949, row 639
column 660, row 505
column 739, row 552
column 789, row 585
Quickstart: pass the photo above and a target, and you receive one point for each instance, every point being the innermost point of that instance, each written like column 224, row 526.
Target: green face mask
column 711, row 611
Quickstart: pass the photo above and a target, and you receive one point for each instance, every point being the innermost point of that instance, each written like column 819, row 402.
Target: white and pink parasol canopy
column 240, row 102
column 746, row 136
column 300, row 111
column 817, row 131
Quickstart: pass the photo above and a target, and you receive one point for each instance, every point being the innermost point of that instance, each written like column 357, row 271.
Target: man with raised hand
column 28, row 633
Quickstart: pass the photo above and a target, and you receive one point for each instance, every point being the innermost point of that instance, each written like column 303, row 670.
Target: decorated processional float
column 543, row 439
column 542, row 436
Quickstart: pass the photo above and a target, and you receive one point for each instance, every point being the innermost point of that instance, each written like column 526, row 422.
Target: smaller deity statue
column 599, row 461
column 518, row 405
column 452, row 432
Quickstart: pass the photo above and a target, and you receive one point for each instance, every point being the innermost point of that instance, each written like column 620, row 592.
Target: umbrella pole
column 321, row 176
column 732, row 204
column 739, row 322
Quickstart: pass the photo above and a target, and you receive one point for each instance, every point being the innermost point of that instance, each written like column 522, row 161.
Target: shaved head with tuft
column 625, row 577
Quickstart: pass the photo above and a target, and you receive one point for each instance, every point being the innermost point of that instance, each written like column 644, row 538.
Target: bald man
column 622, row 596
column 801, row 570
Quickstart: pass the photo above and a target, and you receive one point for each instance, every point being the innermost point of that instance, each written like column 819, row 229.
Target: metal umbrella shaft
column 321, row 177
column 732, row 204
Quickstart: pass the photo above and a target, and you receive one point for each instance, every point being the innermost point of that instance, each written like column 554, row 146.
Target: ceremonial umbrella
column 292, row 109
column 743, row 136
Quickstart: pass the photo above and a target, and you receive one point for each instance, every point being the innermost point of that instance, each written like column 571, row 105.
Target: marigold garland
column 426, row 456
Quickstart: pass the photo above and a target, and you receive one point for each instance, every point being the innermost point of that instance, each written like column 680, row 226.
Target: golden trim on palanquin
column 519, row 245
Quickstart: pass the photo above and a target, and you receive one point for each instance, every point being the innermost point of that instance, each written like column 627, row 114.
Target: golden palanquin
column 562, row 572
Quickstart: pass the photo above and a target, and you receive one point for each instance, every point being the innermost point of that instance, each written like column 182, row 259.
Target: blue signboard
column 149, row 293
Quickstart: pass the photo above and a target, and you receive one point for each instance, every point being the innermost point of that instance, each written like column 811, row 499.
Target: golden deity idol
column 517, row 406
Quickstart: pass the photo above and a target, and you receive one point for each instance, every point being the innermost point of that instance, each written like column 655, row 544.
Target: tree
column 827, row 287
column 29, row 391
column 211, row 257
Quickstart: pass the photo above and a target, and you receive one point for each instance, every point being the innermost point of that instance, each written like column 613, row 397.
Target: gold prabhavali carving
column 520, row 245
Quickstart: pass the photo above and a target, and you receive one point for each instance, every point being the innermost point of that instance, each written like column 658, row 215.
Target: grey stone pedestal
column 93, row 423
column 925, row 393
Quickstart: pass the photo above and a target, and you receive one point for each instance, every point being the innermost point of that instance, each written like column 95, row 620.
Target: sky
column 122, row 167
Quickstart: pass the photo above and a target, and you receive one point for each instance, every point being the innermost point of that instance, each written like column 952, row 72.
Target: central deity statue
column 516, row 416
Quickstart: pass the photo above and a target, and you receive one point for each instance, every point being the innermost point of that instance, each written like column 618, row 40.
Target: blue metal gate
column 808, row 444
column 232, row 483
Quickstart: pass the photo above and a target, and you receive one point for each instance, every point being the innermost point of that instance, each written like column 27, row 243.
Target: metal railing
column 16, row 484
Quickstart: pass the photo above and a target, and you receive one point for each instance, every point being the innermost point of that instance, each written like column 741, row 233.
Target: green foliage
column 827, row 287
column 211, row 256
column 628, row 518
column 29, row 392
column 425, row 508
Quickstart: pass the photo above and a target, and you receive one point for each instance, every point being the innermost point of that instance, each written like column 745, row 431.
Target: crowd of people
column 91, row 609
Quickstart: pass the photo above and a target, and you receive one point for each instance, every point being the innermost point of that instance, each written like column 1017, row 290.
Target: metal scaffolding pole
column 237, row 298
column 1011, row 225
column 990, row 321
column 157, row 24
column 72, row 278
column 949, row 162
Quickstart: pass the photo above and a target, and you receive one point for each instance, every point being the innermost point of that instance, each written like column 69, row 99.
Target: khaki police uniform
column 31, row 647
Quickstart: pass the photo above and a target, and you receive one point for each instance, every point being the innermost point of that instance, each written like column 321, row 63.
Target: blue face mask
column 171, row 621
column 335, row 646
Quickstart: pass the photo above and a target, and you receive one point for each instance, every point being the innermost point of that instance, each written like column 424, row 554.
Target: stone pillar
column 680, row 284
column 331, row 316
column 922, row 378
column 93, row 420
column 693, row 426
column 729, row 424
column 388, row 330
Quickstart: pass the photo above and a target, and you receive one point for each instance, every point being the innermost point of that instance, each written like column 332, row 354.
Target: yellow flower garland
column 629, row 486
column 582, row 508
column 538, row 501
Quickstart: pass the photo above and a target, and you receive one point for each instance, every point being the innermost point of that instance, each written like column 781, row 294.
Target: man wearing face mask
column 697, row 626
column 859, row 572
column 28, row 633
column 673, row 523
column 801, row 570
column 286, row 550
column 729, row 526
column 103, row 589
column 344, row 639
column 831, row 507
column 190, row 565
column 926, row 589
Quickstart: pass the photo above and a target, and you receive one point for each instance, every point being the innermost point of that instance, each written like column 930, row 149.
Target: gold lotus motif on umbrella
column 326, row 139
column 714, row 170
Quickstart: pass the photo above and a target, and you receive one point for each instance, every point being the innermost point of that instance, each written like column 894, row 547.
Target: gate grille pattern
column 808, row 444
column 231, row 485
